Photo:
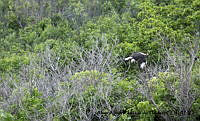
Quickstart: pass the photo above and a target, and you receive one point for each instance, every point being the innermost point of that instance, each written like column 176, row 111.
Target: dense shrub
column 64, row 60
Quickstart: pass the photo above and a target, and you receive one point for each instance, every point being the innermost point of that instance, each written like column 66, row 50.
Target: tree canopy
column 64, row 60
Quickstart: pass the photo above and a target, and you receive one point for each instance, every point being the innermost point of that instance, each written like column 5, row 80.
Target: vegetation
column 63, row 60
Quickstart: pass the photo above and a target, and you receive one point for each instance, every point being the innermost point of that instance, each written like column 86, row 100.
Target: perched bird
column 138, row 57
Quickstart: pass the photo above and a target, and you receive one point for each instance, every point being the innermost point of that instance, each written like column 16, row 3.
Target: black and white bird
column 139, row 57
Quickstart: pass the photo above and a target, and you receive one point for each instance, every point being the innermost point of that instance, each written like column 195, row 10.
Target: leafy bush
column 13, row 63
column 4, row 116
column 64, row 60
column 32, row 106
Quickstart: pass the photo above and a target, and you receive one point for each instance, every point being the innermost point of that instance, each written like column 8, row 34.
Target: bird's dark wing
column 139, row 56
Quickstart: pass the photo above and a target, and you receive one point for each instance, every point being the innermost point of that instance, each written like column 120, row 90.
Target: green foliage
column 33, row 106
column 5, row 116
column 13, row 63
column 161, row 94
column 66, row 28
column 145, row 108
column 105, row 28
column 124, row 117
column 90, row 78
column 196, row 107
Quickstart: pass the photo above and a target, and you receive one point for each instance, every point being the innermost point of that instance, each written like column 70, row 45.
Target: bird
column 138, row 57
